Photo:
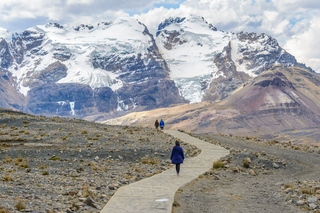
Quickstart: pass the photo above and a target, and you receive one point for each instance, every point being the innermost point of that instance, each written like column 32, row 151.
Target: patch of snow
column 193, row 57
column 193, row 89
column 134, row 104
column 61, row 103
column 121, row 105
column 123, row 37
column 72, row 112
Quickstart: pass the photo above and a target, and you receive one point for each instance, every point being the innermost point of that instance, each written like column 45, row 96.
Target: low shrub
column 20, row 206
column 3, row 210
column 246, row 164
column 218, row 164
column 175, row 204
column 151, row 161
column 7, row 178
column 45, row 173
column 87, row 192
column 286, row 186
column 54, row 158
column 305, row 191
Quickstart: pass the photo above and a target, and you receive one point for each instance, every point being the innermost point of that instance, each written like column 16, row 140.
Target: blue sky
column 294, row 23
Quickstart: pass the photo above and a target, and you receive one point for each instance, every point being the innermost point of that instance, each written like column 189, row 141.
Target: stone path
column 156, row 194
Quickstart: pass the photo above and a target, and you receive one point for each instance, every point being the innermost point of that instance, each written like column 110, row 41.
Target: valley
column 57, row 164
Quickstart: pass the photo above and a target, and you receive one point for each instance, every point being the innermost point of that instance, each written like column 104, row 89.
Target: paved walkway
column 156, row 194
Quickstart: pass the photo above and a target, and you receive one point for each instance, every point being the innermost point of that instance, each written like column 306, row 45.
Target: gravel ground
column 65, row 165
column 279, row 178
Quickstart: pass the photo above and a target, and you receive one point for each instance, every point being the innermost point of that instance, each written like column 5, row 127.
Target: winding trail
column 156, row 194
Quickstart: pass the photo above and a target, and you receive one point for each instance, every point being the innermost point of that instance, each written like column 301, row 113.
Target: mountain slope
column 280, row 103
column 87, row 70
column 207, row 64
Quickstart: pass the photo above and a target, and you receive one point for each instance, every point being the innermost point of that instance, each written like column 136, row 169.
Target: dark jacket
column 177, row 155
column 156, row 123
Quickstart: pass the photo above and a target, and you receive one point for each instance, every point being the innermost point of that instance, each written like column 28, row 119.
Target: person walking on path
column 156, row 124
column 177, row 156
column 161, row 124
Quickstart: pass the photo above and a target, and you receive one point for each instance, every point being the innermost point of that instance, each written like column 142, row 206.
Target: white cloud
column 305, row 46
column 64, row 10
column 3, row 33
column 70, row 2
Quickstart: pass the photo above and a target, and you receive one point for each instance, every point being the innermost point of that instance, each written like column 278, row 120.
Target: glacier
column 76, row 47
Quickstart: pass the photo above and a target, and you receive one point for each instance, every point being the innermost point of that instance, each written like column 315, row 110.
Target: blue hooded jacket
column 177, row 155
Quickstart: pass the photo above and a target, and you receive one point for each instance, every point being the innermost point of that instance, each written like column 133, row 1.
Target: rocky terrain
column 69, row 165
column 257, row 176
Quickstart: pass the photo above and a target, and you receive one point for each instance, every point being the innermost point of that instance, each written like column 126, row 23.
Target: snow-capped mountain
column 118, row 67
column 198, row 54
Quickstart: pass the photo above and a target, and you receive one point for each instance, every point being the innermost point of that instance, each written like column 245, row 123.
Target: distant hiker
column 177, row 156
column 161, row 124
column 156, row 124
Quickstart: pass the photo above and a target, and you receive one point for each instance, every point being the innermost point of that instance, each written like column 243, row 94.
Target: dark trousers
column 178, row 167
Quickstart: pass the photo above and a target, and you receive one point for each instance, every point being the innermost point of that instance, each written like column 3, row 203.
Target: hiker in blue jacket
column 161, row 124
column 177, row 156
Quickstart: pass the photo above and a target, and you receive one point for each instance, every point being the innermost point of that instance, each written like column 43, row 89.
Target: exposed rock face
column 87, row 70
column 91, row 70
column 5, row 56
column 53, row 73
column 9, row 97
column 150, row 95
column 60, row 99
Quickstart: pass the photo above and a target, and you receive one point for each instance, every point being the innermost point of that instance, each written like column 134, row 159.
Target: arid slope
column 282, row 103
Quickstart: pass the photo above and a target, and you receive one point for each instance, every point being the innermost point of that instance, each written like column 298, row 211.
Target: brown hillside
column 281, row 103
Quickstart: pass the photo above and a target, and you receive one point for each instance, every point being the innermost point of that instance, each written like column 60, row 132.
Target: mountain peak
column 54, row 25
column 168, row 22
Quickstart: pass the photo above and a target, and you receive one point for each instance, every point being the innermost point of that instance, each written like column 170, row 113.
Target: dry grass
column 7, row 178
column 218, row 164
column 86, row 192
column 23, row 165
column 305, row 191
column 18, row 160
column 3, row 210
column 7, row 159
column 175, row 204
column 54, row 158
column 246, row 164
column 20, row 206
column 45, row 173
column 286, row 186
column 151, row 161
